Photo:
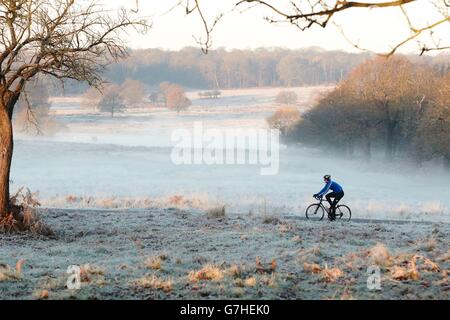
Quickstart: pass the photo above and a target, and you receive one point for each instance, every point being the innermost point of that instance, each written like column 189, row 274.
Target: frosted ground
column 138, row 225
column 177, row 254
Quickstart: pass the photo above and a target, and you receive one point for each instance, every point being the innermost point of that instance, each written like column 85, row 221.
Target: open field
column 138, row 224
column 125, row 162
column 177, row 254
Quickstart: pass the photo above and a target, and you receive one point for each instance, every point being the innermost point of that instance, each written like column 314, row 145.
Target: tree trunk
column 6, row 151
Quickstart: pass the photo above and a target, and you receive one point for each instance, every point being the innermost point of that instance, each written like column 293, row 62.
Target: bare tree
column 308, row 13
column 176, row 98
column 382, row 102
column 111, row 101
column 64, row 39
column 396, row 88
column 132, row 92
column 33, row 110
column 433, row 138
column 284, row 119
column 91, row 99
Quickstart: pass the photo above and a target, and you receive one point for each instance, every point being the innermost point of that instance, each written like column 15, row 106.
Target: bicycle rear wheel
column 315, row 212
column 343, row 213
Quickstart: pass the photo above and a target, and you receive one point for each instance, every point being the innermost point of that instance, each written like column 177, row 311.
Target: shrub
column 284, row 119
column 216, row 212
column 208, row 272
column 23, row 215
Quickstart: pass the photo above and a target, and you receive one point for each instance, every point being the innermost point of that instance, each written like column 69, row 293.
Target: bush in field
column 284, row 119
column 175, row 97
column 91, row 99
column 216, row 212
column 132, row 92
column 286, row 98
column 111, row 100
column 214, row 94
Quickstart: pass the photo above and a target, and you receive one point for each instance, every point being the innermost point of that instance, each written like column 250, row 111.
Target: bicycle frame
column 322, row 205
column 338, row 211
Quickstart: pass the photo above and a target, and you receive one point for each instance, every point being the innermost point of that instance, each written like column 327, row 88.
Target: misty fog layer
column 129, row 157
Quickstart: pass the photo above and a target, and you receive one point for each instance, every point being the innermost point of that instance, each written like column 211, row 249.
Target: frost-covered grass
column 173, row 254
column 124, row 162
column 142, row 227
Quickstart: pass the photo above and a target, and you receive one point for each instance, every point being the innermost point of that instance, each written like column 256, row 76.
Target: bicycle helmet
column 327, row 177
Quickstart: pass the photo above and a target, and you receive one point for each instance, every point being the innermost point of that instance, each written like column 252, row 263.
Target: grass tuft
column 153, row 282
column 216, row 212
column 208, row 272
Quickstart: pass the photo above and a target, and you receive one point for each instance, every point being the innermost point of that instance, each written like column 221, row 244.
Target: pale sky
column 376, row 29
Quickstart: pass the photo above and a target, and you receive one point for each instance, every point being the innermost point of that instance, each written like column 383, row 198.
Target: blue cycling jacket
column 334, row 186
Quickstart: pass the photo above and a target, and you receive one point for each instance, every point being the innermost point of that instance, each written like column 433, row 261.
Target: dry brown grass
column 269, row 280
column 7, row 274
column 265, row 269
column 234, row 271
column 328, row 275
column 305, row 255
column 239, row 283
column 91, row 273
column 176, row 200
column 208, row 272
column 216, row 212
column 153, row 282
column 42, row 294
column 311, row 267
column 445, row 257
column 23, row 216
column 380, row 255
column 445, row 274
column 411, row 270
column 331, row 275
column 402, row 273
column 250, row 282
column 73, row 199
column 154, row 263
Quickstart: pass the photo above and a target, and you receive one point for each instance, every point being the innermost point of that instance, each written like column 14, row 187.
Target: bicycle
column 316, row 211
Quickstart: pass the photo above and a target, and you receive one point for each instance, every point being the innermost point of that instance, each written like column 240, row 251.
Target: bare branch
column 308, row 13
column 60, row 38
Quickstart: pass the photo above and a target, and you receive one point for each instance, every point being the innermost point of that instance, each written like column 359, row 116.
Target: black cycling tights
column 336, row 195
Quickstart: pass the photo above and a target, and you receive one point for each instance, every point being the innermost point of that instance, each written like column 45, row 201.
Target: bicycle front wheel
column 343, row 212
column 315, row 212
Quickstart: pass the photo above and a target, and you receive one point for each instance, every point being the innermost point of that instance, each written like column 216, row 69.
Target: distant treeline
column 222, row 69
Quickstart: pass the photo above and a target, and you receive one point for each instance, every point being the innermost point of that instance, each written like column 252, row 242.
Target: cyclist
column 337, row 194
